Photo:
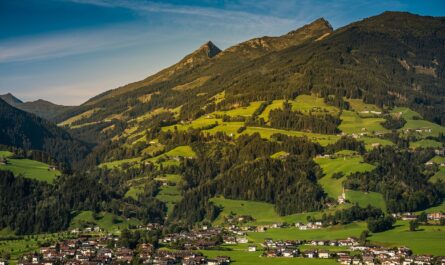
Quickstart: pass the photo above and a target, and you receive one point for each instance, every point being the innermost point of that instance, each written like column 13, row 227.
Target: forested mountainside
column 40, row 107
column 27, row 131
column 384, row 60
column 332, row 125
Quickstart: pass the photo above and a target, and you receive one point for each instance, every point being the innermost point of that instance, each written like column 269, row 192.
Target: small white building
column 251, row 248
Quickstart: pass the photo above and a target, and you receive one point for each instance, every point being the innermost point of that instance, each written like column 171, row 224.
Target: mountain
column 383, row 60
column 27, row 131
column 11, row 99
column 331, row 126
column 195, row 70
column 40, row 107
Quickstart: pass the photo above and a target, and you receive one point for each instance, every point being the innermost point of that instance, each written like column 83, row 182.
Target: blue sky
column 67, row 51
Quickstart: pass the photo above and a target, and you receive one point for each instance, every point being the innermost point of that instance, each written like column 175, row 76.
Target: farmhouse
column 251, row 248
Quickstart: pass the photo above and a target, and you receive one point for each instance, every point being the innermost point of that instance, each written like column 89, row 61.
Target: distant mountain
column 25, row 130
column 41, row 108
column 11, row 99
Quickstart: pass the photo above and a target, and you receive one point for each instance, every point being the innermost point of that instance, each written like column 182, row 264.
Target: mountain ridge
column 40, row 107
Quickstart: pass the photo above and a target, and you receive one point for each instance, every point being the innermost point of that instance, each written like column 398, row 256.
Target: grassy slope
column 425, row 143
column 170, row 195
column 346, row 165
column 413, row 124
column 263, row 212
column 353, row 123
column 105, row 221
column 440, row 175
column 29, row 168
column 366, row 198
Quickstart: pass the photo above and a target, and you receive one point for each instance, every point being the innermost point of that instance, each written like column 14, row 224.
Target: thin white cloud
column 67, row 43
column 143, row 7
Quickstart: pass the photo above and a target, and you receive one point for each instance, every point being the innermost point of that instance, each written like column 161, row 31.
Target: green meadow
column 427, row 240
column 29, row 168
column 107, row 221
column 312, row 104
column 425, row 143
column 353, row 123
column 263, row 212
column 440, row 175
column 170, row 195
column 366, row 198
column 414, row 121
column 345, row 165
column 358, row 105
column 241, row 111
column 118, row 163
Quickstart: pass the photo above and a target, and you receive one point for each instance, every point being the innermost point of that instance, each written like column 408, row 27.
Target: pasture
column 29, row 168
column 107, row 221
column 345, row 165
column 353, row 123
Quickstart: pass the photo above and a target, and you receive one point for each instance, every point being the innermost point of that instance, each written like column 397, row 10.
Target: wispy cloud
column 67, row 43
column 144, row 7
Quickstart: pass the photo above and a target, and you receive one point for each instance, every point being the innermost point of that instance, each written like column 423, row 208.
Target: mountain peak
column 316, row 25
column 210, row 48
column 11, row 99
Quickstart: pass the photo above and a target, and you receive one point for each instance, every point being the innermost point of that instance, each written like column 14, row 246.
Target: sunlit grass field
column 345, row 165
column 29, row 168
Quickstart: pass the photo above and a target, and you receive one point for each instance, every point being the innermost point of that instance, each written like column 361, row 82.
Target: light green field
column 292, row 233
column 276, row 104
column 153, row 149
column 346, row 165
column 323, row 139
column 359, row 106
column 5, row 154
column 408, row 115
column 183, row 151
column 438, row 208
column 312, row 103
column 134, row 192
column 170, row 195
column 105, row 221
column 230, row 128
column 170, row 156
column 219, row 97
column 428, row 240
column 279, row 154
column 175, row 178
column 263, row 212
column 29, row 168
column 353, row 123
column 440, row 175
column 242, row 111
column 438, row 159
column 118, row 163
column 369, row 141
column 364, row 199
column 199, row 123
column 425, row 143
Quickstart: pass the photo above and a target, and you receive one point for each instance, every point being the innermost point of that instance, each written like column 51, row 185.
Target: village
column 86, row 247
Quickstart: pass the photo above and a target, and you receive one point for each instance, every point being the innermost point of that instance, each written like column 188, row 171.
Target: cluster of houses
column 436, row 216
column 194, row 240
column 101, row 251
column 363, row 255
column 82, row 250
